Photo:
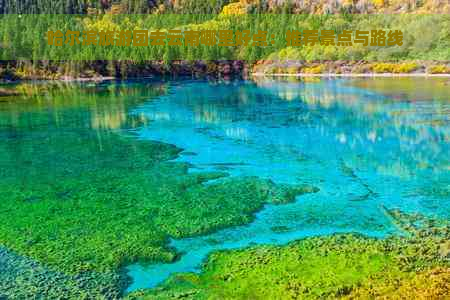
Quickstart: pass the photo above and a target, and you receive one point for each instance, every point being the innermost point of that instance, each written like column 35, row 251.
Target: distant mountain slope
column 215, row 6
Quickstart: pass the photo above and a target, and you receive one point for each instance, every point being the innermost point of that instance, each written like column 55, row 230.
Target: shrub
column 394, row 68
column 236, row 8
column 288, row 53
column 314, row 70
column 405, row 68
column 292, row 70
column 382, row 68
column 439, row 69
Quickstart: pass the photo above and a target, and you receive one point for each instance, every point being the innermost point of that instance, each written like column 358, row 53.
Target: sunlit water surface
column 365, row 151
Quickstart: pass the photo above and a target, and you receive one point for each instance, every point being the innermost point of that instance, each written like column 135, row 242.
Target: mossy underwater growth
column 344, row 266
column 23, row 278
column 80, row 200
column 97, row 211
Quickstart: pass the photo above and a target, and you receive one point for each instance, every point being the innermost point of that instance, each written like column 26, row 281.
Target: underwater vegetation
column 83, row 195
column 79, row 201
column 99, row 210
column 24, row 278
column 347, row 266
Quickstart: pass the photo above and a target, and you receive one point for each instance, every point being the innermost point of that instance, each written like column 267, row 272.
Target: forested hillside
column 108, row 6
column 24, row 56
column 215, row 6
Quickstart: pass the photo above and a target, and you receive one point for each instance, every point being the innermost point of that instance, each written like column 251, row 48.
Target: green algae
column 311, row 268
column 430, row 284
column 83, row 201
column 78, row 196
column 201, row 209
column 102, row 217
column 23, row 278
column 340, row 266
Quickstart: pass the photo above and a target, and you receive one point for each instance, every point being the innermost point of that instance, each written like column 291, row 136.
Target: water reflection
column 274, row 122
column 41, row 127
column 106, row 104
column 365, row 151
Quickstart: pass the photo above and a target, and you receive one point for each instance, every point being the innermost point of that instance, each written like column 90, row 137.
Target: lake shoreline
column 351, row 75
column 256, row 74
column 97, row 71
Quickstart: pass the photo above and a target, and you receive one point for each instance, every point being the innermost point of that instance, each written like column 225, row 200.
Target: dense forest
column 106, row 6
column 215, row 6
column 22, row 54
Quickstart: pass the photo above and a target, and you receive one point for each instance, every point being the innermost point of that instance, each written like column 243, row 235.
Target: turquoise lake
column 365, row 149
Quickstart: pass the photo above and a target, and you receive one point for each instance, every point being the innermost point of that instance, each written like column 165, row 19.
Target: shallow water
column 364, row 150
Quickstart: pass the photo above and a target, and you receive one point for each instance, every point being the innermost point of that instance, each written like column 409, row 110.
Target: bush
column 236, row 8
column 439, row 69
column 394, row 68
column 405, row 68
column 292, row 70
column 314, row 70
